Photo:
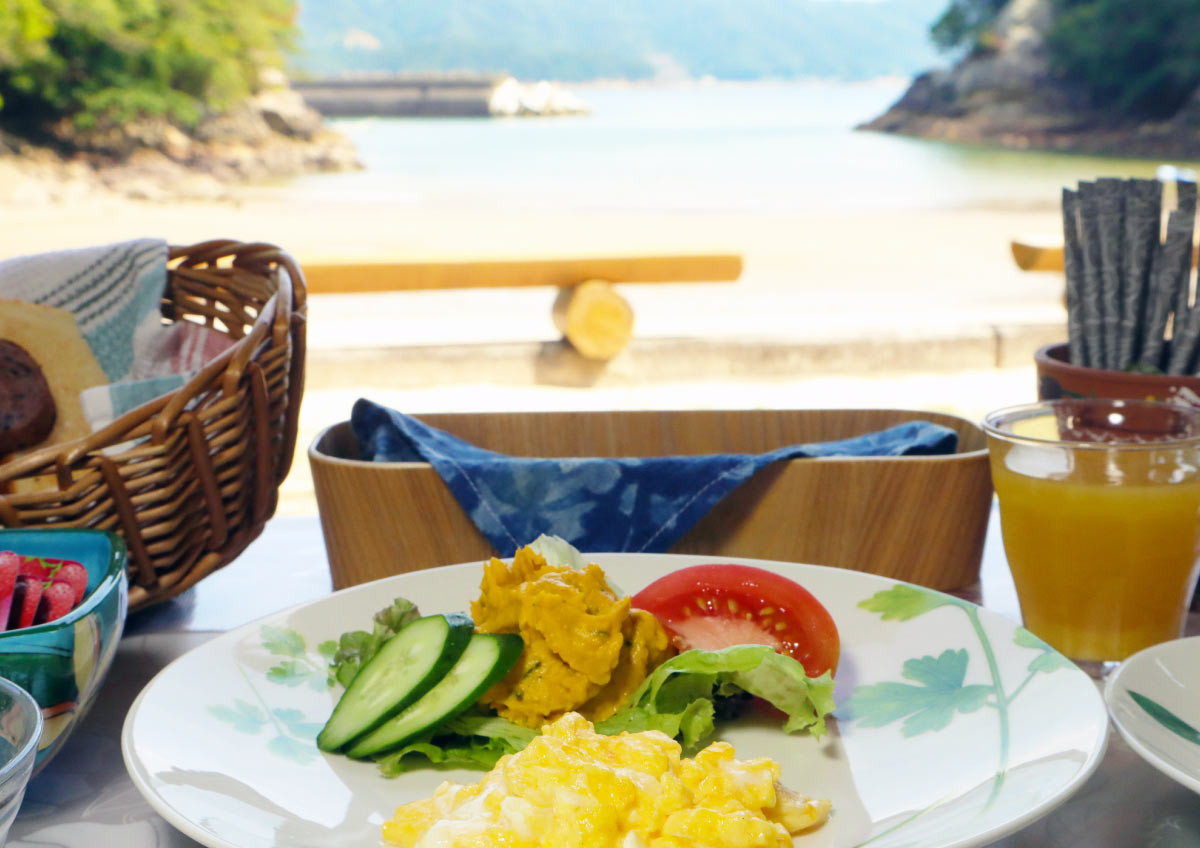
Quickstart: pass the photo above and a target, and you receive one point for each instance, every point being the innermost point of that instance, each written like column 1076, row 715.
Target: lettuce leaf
column 450, row 751
column 471, row 740
column 694, row 722
column 491, row 727
column 558, row 551
column 678, row 695
column 351, row 651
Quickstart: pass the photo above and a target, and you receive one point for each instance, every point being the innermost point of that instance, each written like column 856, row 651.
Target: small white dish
column 1154, row 700
column 955, row 726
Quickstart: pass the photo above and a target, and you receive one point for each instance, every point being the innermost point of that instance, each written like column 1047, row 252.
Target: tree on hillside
column 965, row 23
column 1138, row 58
column 1134, row 58
column 97, row 65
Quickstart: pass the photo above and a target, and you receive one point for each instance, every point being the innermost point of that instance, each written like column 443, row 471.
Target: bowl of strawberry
column 63, row 599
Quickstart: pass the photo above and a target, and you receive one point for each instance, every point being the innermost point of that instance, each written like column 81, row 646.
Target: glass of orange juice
column 1100, row 515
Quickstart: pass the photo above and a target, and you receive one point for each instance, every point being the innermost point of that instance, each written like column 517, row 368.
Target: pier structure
column 449, row 94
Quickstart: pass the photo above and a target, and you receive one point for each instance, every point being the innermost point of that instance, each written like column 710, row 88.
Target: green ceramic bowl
column 62, row 663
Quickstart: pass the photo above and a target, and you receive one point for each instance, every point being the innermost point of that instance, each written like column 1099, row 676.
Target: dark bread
column 27, row 410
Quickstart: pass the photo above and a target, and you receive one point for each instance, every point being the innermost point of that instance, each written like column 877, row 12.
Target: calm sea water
column 723, row 147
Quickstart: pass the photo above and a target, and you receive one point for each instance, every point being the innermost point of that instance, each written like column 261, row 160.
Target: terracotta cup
column 1057, row 377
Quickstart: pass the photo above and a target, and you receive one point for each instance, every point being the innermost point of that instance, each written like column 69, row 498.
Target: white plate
column 225, row 754
column 1166, row 675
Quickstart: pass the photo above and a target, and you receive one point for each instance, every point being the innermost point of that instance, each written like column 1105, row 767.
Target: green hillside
column 633, row 39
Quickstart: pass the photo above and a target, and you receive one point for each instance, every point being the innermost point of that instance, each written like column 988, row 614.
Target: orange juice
column 1103, row 547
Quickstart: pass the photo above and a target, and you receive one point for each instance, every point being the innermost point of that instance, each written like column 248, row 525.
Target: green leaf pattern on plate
column 1165, row 717
column 927, row 706
column 903, row 602
column 294, row 734
column 938, row 691
column 1047, row 659
column 282, row 641
column 243, row 716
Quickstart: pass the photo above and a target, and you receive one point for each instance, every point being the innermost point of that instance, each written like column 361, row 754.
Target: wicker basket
column 188, row 479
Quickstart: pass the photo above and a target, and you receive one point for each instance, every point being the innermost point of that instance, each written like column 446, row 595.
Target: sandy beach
column 825, row 265
column 841, row 279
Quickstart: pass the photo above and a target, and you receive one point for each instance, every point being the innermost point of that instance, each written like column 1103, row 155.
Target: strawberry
column 74, row 575
column 57, row 600
column 25, row 598
column 36, row 568
column 10, row 564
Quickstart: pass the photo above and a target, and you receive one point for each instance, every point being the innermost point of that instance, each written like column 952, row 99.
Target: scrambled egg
column 585, row 650
column 574, row 788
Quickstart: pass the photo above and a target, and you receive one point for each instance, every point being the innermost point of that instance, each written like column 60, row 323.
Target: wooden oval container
column 920, row 519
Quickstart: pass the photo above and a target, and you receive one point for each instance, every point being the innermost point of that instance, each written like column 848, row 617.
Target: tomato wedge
column 715, row 606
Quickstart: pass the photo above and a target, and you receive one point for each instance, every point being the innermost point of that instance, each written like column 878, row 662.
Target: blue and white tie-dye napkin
column 115, row 291
column 598, row 503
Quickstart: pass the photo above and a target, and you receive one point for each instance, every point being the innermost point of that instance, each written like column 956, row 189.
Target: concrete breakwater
column 435, row 95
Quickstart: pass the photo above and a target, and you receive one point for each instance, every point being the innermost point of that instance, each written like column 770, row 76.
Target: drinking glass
column 20, row 731
column 1100, row 515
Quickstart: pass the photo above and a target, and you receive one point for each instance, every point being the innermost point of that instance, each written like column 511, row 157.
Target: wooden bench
column 1040, row 256
column 590, row 314
column 1047, row 256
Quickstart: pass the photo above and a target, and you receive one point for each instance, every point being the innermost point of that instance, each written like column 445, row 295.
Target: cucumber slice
column 404, row 669
column 487, row 658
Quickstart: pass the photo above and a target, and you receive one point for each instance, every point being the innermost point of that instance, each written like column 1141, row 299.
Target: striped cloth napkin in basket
column 114, row 291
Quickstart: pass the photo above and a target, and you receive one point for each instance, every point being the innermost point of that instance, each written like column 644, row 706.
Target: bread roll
column 27, row 411
column 52, row 338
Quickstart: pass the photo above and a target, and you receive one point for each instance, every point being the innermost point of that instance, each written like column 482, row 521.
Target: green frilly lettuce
column 678, row 697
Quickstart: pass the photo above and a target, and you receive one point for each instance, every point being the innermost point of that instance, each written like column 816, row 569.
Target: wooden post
column 596, row 320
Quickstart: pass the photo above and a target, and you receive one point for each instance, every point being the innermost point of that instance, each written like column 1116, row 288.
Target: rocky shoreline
column 1177, row 140
column 1007, row 96
column 274, row 135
